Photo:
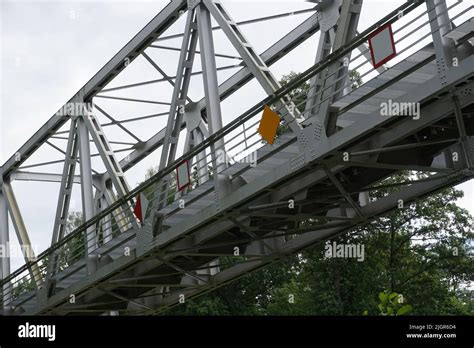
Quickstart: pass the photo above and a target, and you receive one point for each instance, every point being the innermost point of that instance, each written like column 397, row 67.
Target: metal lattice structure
column 235, row 216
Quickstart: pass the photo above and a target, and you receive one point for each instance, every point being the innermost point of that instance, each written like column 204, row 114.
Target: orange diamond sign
column 269, row 125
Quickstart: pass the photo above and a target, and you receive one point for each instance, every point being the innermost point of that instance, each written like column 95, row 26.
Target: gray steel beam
column 253, row 61
column 177, row 108
column 21, row 175
column 355, row 133
column 181, row 270
column 65, row 190
column 349, row 135
column 245, row 22
column 86, row 192
column 128, row 53
column 106, row 153
column 336, row 75
column 22, row 234
column 329, row 11
column 135, row 46
column 343, row 191
column 180, row 91
column 64, row 198
column 6, row 290
column 120, row 297
column 162, row 72
column 431, row 114
column 118, row 123
column 197, row 52
column 300, row 242
column 158, row 25
column 440, row 24
column 133, row 100
column 124, row 215
column 395, row 166
column 462, row 131
column 274, row 53
column 119, row 215
column 212, row 97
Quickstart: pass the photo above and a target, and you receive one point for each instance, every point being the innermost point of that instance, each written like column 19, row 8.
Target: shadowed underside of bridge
column 335, row 148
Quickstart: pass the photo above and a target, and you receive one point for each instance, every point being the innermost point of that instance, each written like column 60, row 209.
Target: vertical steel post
column 254, row 63
column 324, row 48
column 211, row 91
column 86, row 191
column 337, row 74
column 177, row 107
column 64, row 199
column 180, row 91
column 5, row 259
column 65, row 190
column 440, row 24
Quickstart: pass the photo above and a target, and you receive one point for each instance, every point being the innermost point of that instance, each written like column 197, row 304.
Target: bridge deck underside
column 180, row 260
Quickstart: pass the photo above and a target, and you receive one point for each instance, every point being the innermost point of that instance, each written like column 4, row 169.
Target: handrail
column 332, row 58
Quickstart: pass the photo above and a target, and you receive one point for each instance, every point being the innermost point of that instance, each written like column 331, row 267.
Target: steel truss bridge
column 235, row 217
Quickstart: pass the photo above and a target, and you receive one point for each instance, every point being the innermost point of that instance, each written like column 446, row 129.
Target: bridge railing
column 240, row 139
column 411, row 32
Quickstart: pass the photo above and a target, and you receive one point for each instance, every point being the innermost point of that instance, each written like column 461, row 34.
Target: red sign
column 182, row 175
column 382, row 45
column 140, row 207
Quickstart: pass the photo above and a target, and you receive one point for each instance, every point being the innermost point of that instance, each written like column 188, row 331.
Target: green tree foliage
column 422, row 251
column 392, row 304
column 74, row 250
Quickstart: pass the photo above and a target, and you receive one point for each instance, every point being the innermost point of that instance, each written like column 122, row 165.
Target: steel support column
column 87, row 192
column 211, row 91
column 254, row 62
column 65, row 189
column 463, row 138
column 180, row 91
column 5, row 259
column 22, row 234
column 440, row 24
column 336, row 76
column 62, row 209
column 329, row 12
column 178, row 100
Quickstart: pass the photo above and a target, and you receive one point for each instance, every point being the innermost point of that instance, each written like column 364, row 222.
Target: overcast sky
column 50, row 49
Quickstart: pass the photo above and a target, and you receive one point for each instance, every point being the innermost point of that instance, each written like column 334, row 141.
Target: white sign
column 382, row 46
column 182, row 175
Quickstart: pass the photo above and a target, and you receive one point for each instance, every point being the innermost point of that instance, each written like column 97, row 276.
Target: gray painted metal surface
column 326, row 164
